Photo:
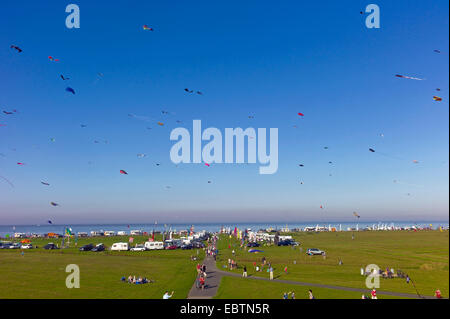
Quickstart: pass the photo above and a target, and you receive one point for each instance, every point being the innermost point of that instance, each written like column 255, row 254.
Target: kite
column 44, row 183
column 372, row 150
column 207, row 164
column 321, row 206
column 209, row 182
column 50, row 222
column 438, row 89
column 408, row 77
column 21, row 164
column 179, row 122
column 64, row 79
column 157, row 164
column 10, row 113
column 160, row 123
column 301, row 183
column 52, row 139
column 301, row 165
column 53, row 59
column 83, row 125
column 141, row 155
column 415, row 161
column 437, row 51
column 69, row 89
column 356, row 214
column 147, row 28
column 123, row 172
column 251, row 117
column 199, row 93
column 301, row 114
column 330, row 162
column 54, row 204
column 6, row 180
column 325, row 148
column 437, row 98
column 189, row 91
column 16, row 48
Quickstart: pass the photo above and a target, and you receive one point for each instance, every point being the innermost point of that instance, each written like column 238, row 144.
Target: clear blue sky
column 261, row 58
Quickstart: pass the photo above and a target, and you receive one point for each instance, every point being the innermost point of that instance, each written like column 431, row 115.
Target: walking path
column 214, row 276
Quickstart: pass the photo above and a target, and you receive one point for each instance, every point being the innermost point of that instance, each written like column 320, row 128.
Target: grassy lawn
column 424, row 255
column 41, row 274
column 240, row 288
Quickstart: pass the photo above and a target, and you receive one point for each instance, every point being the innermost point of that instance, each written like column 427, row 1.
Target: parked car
column 138, row 248
column 51, row 246
column 314, row 251
column 26, row 246
column 87, row 247
column 98, row 247
column 198, row 244
column 253, row 244
column 5, row 245
column 287, row 242
column 171, row 247
column 187, row 246
column 14, row 246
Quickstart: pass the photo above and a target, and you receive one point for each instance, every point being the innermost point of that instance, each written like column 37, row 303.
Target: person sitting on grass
column 167, row 296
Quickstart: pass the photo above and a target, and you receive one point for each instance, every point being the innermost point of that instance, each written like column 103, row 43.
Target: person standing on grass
column 374, row 293
column 437, row 294
column 244, row 274
column 293, row 295
column 285, row 270
column 311, row 296
column 271, row 273
column 167, row 296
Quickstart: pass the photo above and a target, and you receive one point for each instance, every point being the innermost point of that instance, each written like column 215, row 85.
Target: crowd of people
column 138, row 280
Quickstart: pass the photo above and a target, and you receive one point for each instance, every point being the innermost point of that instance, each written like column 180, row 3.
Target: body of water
column 210, row 227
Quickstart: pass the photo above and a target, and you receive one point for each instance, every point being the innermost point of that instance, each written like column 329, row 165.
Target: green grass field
column 423, row 255
column 41, row 274
column 240, row 288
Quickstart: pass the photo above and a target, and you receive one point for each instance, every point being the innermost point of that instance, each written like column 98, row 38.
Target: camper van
column 120, row 246
column 110, row 233
column 152, row 245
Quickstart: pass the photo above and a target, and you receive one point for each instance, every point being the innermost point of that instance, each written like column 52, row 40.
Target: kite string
column 12, row 185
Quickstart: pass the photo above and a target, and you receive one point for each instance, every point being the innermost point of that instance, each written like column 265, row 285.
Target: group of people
column 134, row 280
column 201, row 276
column 287, row 294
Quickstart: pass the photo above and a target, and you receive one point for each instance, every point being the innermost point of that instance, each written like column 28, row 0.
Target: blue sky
column 255, row 58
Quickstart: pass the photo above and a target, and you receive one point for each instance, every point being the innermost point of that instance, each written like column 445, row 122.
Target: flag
column 131, row 239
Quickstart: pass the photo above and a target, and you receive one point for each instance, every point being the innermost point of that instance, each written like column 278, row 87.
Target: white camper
column 152, row 245
column 120, row 246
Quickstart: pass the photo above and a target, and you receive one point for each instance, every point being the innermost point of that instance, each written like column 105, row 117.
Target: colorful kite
column 53, row 59
column 415, row 161
column 123, row 172
column 301, row 114
column 160, row 123
column 437, row 98
column 20, row 164
column 207, row 164
column 147, row 28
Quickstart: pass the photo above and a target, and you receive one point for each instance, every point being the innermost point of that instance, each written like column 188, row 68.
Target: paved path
column 214, row 276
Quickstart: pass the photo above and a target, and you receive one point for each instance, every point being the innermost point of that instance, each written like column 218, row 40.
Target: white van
column 121, row 233
column 120, row 246
column 152, row 245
